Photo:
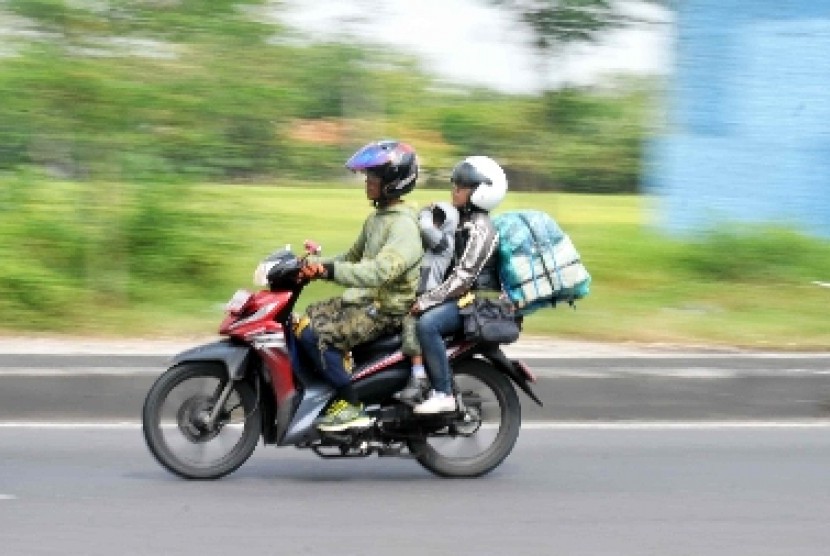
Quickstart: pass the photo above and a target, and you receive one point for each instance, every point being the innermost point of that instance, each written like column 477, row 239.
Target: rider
column 479, row 185
column 380, row 271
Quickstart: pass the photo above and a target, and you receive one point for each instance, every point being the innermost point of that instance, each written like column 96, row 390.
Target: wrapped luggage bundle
column 538, row 263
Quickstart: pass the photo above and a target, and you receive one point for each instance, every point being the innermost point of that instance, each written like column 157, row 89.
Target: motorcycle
column 203, row 417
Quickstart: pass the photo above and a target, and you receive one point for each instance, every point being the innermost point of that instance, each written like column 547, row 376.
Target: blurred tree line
column 148, row 90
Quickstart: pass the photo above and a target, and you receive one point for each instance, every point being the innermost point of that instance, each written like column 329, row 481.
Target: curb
column 68, row 380
column 528, row 347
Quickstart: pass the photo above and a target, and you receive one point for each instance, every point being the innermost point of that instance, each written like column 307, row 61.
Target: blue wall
column 749, row 134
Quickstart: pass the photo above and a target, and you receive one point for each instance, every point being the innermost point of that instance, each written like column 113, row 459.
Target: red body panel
column 279, row 367
column 257, row 316
column 254, row 324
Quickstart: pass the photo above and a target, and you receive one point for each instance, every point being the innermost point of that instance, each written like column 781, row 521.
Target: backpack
column 537, row 262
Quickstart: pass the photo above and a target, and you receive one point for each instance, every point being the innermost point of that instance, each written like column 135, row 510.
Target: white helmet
column 486, row 176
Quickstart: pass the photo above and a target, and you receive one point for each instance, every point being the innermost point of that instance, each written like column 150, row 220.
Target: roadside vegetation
column 160, row 260
column 152, row 152
column 218, row 92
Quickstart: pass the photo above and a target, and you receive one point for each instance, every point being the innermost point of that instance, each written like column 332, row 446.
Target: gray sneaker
column 415, row 392
column 342, row 415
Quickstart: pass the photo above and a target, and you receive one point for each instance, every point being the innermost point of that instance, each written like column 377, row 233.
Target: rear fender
column 515, row 369
column 232, row 355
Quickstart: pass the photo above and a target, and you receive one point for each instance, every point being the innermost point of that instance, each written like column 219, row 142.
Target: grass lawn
column 748, row 288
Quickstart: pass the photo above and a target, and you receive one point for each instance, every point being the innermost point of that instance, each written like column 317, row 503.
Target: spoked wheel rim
column 177, row 429
column 192, row 419
column 483, row 434
column 477, row 428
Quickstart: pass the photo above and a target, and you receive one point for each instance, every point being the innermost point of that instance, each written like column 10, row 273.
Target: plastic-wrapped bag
column 538, row 263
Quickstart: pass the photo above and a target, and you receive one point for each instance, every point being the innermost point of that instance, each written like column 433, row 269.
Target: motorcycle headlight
column 261, row 273
column 238, row 301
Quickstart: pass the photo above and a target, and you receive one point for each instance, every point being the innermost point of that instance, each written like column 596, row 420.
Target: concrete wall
column 749, row 134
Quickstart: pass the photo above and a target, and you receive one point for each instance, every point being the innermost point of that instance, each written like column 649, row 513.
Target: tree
column 555, row 23
column 587, row 145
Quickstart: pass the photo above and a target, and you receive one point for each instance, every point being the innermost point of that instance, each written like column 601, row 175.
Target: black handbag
column 490, row 320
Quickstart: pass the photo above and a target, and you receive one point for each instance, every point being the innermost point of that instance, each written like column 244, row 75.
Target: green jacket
column 383, row 265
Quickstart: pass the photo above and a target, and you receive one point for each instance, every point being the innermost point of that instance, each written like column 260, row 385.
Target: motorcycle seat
column 373, row 348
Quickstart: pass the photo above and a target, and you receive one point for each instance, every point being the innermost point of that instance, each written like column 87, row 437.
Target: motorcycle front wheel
column 175, row 421
column 477, row 442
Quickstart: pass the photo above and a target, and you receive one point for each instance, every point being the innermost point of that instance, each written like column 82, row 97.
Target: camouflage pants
column 409, row 337
column 343, row 326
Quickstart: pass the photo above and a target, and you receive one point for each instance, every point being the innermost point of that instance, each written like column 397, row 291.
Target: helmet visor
column 467, row 175
column 379, row 172
column 370, row 156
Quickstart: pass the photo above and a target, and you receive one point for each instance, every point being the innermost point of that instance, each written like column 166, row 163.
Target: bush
column 756, row 255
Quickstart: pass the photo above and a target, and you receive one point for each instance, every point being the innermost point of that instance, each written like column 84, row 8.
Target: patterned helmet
column 395, row 163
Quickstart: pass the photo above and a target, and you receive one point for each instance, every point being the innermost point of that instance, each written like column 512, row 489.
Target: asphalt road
column 753, row 491
column 711, row 387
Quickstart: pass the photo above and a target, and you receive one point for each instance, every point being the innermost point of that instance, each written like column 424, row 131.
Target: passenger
column 479, row 185
column 438, row 223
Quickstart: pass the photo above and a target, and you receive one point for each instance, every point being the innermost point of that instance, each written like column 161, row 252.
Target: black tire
column 170, row 431
column 467, row 376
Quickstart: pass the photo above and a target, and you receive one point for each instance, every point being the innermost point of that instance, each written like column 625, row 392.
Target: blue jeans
column 329, row 362
column 433, row 325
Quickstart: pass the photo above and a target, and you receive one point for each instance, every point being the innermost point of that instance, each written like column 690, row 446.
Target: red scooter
column 204, row 416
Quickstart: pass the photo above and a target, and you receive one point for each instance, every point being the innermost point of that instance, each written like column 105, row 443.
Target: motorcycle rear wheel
column 175, row 434
column 475, row 447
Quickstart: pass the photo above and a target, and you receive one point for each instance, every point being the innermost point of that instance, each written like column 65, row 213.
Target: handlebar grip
column 312, row 247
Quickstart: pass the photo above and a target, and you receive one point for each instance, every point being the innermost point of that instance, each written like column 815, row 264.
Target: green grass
column 118, row 260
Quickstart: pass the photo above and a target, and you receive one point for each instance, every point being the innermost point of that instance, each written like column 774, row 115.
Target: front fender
column 230, row 354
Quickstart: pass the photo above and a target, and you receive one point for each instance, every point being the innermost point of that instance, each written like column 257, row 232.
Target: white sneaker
column 436, row 403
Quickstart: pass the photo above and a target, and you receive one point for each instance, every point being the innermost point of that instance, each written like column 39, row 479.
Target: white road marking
column 68, row 425
column 76, row 372
column 679, row 425
column 530, row 425
column 8, row 497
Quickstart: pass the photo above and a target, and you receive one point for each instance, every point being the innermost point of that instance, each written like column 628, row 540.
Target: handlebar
column 312, row 247
column 283, row 266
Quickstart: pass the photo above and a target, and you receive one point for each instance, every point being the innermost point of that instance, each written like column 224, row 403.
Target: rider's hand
column 312, row 271
column 312, row 247
column 415, row 309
